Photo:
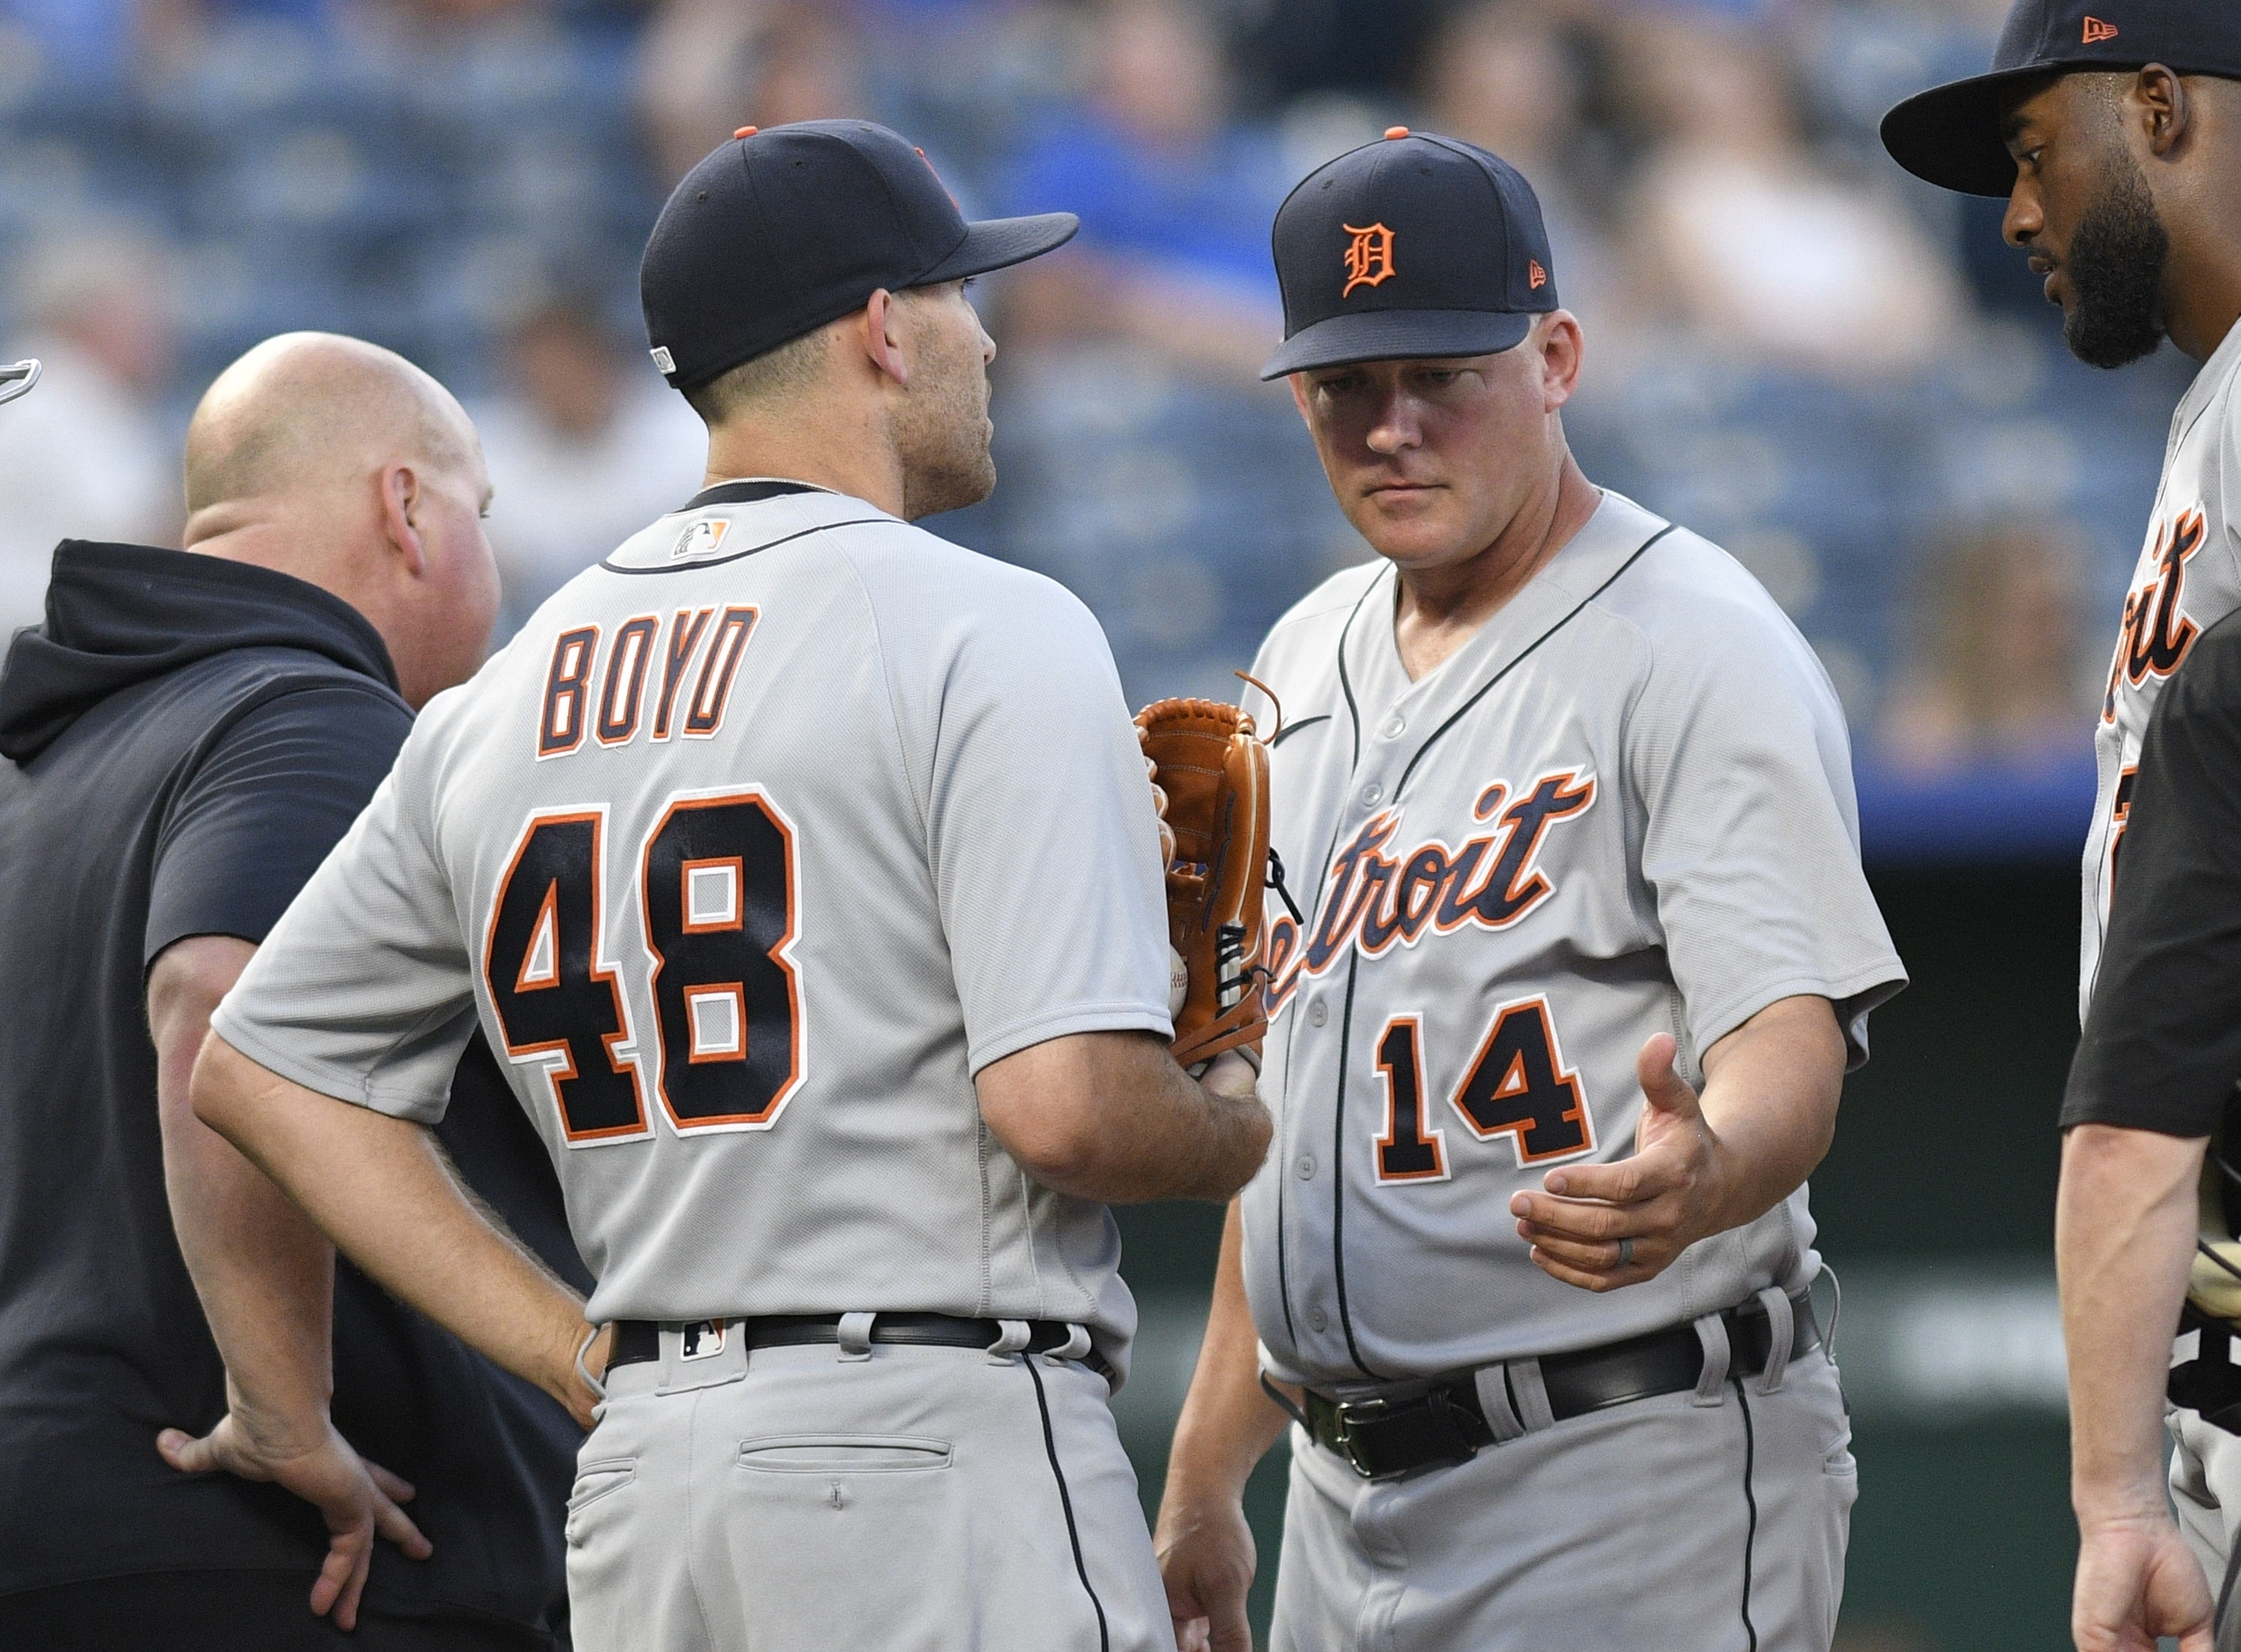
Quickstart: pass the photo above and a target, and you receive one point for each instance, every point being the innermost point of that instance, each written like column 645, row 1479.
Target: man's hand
column 357, row 1497
column 581, row 1399
column 1207, row 1560
column 1700, row 1166
column 2137, row 1581
column 2124, row 1224
column 1225, row 1427
column 1668, row 1195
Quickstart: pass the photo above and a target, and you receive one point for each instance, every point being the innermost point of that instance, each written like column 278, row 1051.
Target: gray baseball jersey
column 2187, row 579
column 1624, row 808
column 755, row 845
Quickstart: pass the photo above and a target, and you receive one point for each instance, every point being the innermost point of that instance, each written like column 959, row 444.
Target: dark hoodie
column 188, row 737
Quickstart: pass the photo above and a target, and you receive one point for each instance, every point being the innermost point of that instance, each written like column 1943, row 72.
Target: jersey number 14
column 1516, row 1087
column 716, row 898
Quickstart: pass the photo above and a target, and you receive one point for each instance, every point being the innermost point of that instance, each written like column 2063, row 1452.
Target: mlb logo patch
column 702, row 1340
column 700, row 538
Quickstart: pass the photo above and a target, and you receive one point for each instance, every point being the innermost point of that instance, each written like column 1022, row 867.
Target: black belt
column 638, row 1340
column 1440, row 1423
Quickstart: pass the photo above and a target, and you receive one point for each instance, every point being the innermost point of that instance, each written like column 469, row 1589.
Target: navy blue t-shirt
column 187, row 737
column 2161, row 1048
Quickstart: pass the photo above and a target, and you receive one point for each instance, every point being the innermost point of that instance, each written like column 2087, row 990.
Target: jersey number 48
column 716, row 896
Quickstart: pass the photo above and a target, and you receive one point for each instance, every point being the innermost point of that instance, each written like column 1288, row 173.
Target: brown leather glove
column 1212, row 772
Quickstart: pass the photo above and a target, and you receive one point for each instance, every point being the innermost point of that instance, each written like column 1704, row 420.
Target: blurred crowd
column 1843, row 376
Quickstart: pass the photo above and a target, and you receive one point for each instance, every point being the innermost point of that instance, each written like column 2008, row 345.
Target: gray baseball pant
column 2206, row 1487
column 1689, row 1522
column 917, row 1499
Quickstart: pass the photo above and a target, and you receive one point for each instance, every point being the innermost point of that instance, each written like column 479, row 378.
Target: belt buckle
column 1348, row 1413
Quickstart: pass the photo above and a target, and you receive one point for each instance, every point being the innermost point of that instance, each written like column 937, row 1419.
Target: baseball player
column 2115, row 132
column 804, row 868
column 1582, row 953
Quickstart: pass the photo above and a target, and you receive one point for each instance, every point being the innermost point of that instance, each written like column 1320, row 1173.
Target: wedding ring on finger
column 1626, row 1252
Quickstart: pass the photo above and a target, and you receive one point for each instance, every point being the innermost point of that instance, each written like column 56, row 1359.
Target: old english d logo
column 1368, row 257
column 2097, row 32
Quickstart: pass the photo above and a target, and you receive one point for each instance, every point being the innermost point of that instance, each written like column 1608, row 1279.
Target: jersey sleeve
column 258, row 814
column 1041, row 835
column 2161, row 1048
column 363, row 990
column 1738, row 752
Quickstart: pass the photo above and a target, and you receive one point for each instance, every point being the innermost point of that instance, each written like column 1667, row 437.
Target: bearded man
column 2115, row 137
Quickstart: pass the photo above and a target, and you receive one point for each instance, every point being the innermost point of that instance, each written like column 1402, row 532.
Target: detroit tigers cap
column 777, row 232
column 1410, row 246
column 1951, row 134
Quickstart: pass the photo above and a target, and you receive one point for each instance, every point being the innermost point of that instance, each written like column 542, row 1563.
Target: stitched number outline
column 718, row 897
column 553, row 993
column 1408, row 1151
column 1517, row 1086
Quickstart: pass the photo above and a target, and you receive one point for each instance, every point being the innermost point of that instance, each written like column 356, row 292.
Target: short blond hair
column 786, row 371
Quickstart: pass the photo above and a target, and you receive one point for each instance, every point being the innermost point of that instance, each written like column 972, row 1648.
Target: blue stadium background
column 1946, row 504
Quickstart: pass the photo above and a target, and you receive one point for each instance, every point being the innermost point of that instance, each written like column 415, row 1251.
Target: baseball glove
column 1210, row 774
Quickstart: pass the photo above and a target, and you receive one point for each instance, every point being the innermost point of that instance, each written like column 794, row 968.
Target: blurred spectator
column 87, row 456
column 85, row 42
column 1175, row 201
column 589, row 447
column 1996, row 678
column 1358, row 46
column 1753, row 242
column 1505, row 77
column 710, row 66
column 691, row 73
column 808, row 66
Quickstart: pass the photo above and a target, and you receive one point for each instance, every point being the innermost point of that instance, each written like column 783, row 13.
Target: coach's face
column 1432, row 460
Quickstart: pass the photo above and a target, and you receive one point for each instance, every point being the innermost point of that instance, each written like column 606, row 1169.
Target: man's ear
column 402, row 500
column 883, row 339
column 1560, row 350
column 2160, row 103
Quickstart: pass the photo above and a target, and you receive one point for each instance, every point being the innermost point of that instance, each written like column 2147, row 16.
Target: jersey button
column 1320, row 1320
column 1306, row 1170
column 1395, row 728
column 1316, row 1013
column 1371, row 795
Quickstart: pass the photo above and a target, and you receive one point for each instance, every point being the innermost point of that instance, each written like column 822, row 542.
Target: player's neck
column 2200, row 321
column 848, row 456
column 1439, row 609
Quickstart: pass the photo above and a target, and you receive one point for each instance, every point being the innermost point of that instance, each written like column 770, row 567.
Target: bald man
column 188, row 734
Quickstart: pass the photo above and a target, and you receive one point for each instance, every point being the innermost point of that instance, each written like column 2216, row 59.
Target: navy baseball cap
column 1409, row 247
column 1951, row 135
column 777, row 232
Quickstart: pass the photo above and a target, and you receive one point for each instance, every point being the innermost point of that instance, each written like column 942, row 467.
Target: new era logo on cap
column 663, row 360
column 1952, row 135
